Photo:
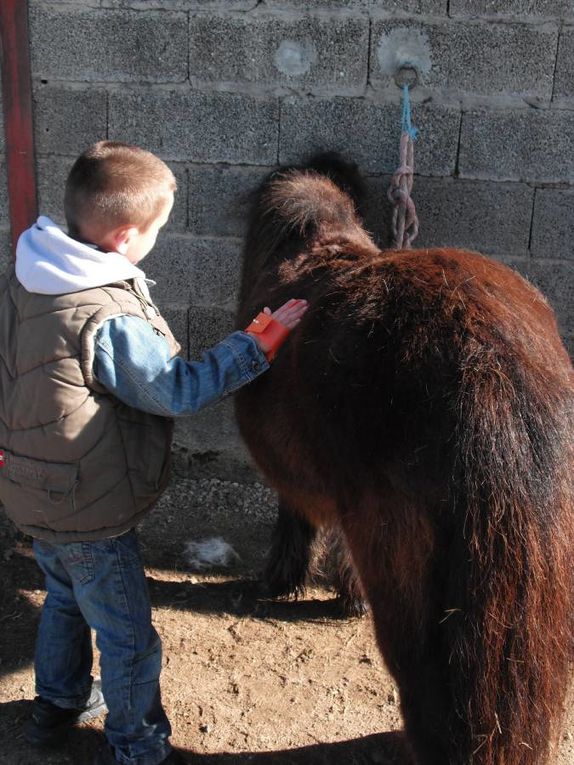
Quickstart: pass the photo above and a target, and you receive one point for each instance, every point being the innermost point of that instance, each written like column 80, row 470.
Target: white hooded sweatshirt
column 49, row 262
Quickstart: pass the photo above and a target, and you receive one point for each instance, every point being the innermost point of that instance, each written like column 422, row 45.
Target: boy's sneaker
column 106, row 757
column 50, row 724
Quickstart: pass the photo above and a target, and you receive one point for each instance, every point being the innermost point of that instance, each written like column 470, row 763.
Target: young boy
column 89, row 384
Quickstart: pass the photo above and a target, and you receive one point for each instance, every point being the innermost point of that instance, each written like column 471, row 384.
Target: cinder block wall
column 224, row 90
column 4, row 214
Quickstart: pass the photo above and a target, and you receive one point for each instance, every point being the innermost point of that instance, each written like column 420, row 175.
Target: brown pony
column 425, row 405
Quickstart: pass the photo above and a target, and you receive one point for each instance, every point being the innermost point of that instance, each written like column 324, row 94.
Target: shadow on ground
column 384, row 749
column 18, row 616
column 84, row 742
column 239, row 597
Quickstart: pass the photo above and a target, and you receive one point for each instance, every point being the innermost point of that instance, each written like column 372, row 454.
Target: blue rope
column 407, row 126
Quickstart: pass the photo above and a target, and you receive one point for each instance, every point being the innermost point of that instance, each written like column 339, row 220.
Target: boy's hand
column 290, row 312
column 270, row 330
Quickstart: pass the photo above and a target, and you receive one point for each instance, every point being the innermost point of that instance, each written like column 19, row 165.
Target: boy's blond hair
column 114, row 184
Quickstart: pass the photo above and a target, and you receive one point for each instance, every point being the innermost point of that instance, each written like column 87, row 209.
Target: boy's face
column 139, row 242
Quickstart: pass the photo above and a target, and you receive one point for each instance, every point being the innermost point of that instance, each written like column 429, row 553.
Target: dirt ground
column 244, row 680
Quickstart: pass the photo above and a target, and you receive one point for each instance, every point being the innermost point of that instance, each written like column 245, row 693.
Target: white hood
column 49, row 262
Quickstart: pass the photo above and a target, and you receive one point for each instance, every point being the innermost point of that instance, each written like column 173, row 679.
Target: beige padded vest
column 78, row 464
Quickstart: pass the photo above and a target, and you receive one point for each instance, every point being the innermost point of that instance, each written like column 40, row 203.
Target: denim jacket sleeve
column 134, row 364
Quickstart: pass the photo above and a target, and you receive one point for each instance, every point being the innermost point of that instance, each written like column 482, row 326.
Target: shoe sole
column 92, row 713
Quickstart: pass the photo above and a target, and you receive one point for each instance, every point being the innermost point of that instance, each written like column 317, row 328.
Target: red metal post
column 18, row 120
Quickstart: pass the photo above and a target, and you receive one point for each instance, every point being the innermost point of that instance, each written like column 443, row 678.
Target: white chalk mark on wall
column 295, row 58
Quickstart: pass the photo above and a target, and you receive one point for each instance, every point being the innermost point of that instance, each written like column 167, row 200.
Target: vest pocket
column 39, row 492
column 146, row 441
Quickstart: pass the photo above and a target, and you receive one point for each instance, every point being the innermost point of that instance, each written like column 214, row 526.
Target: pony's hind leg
column 288, row 560
column 336, row 565
column 298, row 549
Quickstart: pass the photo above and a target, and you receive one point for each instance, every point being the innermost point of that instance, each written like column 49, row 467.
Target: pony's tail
column 510, row 589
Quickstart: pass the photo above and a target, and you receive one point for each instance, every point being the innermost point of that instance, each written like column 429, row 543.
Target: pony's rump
column 424, row 406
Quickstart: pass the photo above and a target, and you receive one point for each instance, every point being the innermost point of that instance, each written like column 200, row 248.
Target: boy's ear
column 123, row 237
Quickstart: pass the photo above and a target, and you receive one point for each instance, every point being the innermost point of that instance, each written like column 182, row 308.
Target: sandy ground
column 244, row 680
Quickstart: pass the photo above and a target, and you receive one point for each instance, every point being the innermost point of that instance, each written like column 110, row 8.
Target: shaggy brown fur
column 426, row 405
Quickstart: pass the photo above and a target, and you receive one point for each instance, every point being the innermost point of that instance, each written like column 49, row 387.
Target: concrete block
column 219, row 198
column 564, row 77
column 195, row 270
column 176, row 317
column 5, row 248
column 114, row 46
column 67, row 121
column 4, row 210
column 183, row 5
column 556, row 282
column 518, row 145
column 51, row 174
column 309, row 53
column 33, row 4
column 557, row 9
column 207, row 327
column 208, row 444
column 211, row 429
column 553, row 224
column 437, row 7
column 368, row 133
column 389, row 6
column 209, row 127
column 464, row 57
column 1, row 122
column 217, row 272
column 178, row 218
column 492, row 218
column 377, row 211
column 170, row 265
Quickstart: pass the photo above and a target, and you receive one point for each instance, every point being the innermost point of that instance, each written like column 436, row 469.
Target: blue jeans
column 101, row 585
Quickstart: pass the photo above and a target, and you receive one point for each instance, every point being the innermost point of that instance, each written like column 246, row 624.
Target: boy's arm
column 134, row 364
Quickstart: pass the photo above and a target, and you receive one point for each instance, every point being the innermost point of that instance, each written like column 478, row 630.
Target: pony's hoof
column 280, row 590
column 353, row 607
